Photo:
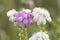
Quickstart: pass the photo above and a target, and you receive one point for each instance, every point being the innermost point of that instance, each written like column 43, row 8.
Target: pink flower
column 23, row 17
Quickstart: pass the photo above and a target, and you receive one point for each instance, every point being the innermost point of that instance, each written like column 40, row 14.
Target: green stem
column 23, row 33
column 54, row 24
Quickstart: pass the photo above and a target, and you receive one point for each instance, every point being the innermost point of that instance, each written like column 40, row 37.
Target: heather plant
column 26, row 18
column 29, row 19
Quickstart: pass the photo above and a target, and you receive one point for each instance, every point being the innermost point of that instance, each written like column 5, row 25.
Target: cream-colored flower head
column 10, row 14
column 41, row 15
column 39, row 36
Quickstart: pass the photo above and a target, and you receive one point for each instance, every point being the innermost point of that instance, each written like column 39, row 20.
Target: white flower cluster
column 10, row 14
column 41, row 15
column 39, row 36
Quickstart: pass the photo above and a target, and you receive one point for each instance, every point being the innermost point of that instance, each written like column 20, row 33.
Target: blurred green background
column 9, row 32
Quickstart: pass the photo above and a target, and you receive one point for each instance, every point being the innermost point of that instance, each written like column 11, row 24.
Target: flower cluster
column 22, row 17
column 25, row 16
column 39, row 36
column 41, row 15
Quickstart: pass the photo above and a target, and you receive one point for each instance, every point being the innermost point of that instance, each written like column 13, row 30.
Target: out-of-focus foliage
column 9, row 32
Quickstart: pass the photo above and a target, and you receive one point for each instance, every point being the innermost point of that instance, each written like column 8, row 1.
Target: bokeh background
column 9, row 32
